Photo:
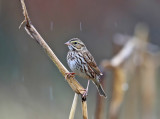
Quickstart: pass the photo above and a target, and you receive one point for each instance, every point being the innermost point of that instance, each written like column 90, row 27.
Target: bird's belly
column 72, row 65
column 76, row 68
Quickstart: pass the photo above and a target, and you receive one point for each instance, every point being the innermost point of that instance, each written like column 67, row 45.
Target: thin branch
column 118, row 92
column 74, row 105
column 76, row 87
column 74, row 84
column 136, row 47
column 25, row 13
column 84, row 108
column 124, row 53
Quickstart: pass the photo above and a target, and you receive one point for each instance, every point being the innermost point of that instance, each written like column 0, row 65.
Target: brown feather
column 91, row 62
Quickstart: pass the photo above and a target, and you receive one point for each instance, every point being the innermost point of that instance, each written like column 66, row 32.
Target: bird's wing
column 90, row 61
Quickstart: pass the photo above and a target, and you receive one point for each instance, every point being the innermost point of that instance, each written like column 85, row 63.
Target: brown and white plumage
column 82, row 63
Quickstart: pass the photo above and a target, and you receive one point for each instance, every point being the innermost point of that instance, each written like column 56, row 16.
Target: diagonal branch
column 84, row 108
column 76, row 87
column 74, row 84
column 73, row 108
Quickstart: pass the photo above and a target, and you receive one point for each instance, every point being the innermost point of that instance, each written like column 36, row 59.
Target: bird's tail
column 101, row 91
column 100, row 88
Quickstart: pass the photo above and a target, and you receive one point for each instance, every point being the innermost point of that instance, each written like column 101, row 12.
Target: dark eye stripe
column 74, row 42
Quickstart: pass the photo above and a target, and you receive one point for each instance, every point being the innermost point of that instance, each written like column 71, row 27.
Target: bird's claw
column 69, row 75
column 85, row 93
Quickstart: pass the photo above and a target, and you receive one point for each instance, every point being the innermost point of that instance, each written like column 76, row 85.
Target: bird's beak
column 67, row 43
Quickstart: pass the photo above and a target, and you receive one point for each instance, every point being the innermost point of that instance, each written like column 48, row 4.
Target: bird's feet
column 85, row 93
column 86, row 90
column 69, row 75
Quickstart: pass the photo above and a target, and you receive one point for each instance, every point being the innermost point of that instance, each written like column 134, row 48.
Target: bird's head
column 75, row 44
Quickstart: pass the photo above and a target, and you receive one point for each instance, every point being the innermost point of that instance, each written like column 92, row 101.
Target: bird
column 82, row 63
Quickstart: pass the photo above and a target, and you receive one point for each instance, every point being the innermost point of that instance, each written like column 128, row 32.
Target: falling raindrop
column 51, row 26
column 51, row 92
column 80, row 26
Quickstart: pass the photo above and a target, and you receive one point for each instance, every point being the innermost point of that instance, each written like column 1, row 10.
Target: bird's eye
column 75, row 42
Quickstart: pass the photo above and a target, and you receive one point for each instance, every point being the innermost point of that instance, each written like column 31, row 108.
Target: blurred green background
column 31, row 86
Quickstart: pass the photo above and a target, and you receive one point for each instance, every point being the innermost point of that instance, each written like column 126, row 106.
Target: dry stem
column 76, row 87
column 137, row 48
column 74, row 84
column 73, row 108
column 84, row 108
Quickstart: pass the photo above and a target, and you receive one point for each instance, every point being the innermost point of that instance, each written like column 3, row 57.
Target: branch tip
column 25, row 13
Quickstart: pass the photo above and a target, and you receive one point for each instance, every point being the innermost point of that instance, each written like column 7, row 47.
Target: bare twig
column 76, row 87
column 74, row 84
column 138, row 58
column 25, row 13
column 142, row 86
column 124, row 53
column 119, row 79
column 84, row 108
column 73, row 108
column 147, row 73
column 118, row 92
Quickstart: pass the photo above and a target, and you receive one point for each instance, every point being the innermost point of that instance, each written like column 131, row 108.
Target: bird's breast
column 79, row 66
